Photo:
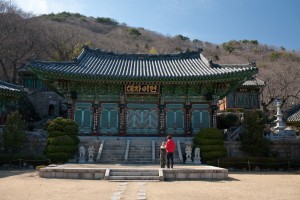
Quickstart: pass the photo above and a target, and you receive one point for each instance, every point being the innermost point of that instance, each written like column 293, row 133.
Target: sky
column 272, row 22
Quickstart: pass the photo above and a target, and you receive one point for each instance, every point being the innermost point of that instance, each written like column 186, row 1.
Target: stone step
column 138, row 178
column 131, row 174
column 134, row 173
column 140, row 161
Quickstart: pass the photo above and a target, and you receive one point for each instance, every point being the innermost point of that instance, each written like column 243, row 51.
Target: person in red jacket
column 170, row 148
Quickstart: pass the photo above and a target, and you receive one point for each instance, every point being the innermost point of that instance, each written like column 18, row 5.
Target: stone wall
column 284, row 149
column 287, row 149
column 42, row 101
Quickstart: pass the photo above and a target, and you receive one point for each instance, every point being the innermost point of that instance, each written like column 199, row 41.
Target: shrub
column 181, row 37
column 133, row 32
column 210, row 141
column 230, row 46
column 14, row 136
column 62, row 139
column 152, row 51
column 253, row 141
column 226, row 120
column 254, row 42
column 106, row 20
column 53, row 133
column 275, row 55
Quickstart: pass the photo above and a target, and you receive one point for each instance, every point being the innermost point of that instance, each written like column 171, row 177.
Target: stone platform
column 123, row 172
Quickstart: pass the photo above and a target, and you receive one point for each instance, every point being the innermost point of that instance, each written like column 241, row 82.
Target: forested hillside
column 59, row 37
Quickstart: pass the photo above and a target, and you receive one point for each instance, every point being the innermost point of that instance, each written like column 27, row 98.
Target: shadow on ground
column 8, row 173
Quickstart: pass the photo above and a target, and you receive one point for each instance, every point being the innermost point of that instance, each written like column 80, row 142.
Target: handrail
column 127, row 150
column 179, row 151
column 100, row 151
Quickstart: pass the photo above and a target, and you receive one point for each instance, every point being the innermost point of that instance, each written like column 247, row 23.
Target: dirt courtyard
column 23, row 185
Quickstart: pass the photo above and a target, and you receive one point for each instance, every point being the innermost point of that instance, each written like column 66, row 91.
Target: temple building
column 245, row 96
column 141, row 95
column 9, row 94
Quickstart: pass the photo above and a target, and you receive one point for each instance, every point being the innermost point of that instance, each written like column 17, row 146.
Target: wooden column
column 162, row 116
column 122, row 127
column 96, row 118
column 188, row 119
column 122, row 119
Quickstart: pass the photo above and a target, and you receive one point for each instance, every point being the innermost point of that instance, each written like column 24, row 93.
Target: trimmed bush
column 210, row 141
column 54, row 134
column 62, row 139
column 226, row 120
column 71, row 128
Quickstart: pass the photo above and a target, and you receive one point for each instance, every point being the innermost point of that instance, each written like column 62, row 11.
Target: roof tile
column 96, row 64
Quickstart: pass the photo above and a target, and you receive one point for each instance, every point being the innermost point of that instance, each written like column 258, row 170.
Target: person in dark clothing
column 170, row 148
column 163, row 155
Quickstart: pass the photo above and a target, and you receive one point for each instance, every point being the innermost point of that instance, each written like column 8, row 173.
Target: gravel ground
column 25, row 185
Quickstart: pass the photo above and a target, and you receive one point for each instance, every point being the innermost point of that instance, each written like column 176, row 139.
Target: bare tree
column 20, row 37
column 61, row 41
column 282, row 83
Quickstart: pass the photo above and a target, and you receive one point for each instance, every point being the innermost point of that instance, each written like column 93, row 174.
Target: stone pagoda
column 280, row 125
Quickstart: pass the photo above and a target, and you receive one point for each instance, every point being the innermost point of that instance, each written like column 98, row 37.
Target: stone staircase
column 130, row 150
column 113, row 151
column 133, row 174
column 140, row 151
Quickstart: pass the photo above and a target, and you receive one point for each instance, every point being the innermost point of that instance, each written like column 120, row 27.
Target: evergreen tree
column 210, row 141
column 62, row 139
column 14, row 136
column 253, row 141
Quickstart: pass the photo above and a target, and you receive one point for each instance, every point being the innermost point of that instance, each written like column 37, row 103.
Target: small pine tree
column 14, row 136
column 210, row 141
column 152, row 51
column 62, row 139
column 253, row 141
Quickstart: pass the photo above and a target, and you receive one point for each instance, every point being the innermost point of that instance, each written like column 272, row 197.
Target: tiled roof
column 293, row 114
column 254, row 82
column 9, row 89
column 294, row 117
column 95, row 64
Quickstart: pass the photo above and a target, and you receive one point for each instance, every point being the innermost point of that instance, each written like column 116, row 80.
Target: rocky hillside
column 60, row 37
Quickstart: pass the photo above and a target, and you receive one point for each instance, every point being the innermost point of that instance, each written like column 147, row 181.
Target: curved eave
column 228, row 76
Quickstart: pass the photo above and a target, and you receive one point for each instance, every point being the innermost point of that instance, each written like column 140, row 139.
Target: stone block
column 46, row 174
column 219, row 175
column 99, row 175
column 206, row 175
column 169, row 176
column 181, row 175
column 72, row 175
column 87, row 175
column 194, row 176
column 59, row 175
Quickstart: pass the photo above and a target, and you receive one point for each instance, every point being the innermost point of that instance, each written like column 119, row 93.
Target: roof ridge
column 54, row 62
column 138, row 55
column 235, row 65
